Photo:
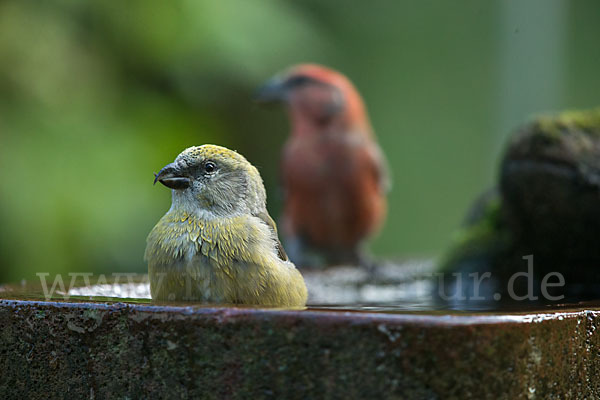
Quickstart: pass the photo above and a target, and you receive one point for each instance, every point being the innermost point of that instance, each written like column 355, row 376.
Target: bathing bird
column 217, row 243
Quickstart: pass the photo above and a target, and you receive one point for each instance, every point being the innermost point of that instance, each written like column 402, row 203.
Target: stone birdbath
column 109, row 340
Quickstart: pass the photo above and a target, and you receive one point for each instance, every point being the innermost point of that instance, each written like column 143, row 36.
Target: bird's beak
column 274, row 90
column 172, row 177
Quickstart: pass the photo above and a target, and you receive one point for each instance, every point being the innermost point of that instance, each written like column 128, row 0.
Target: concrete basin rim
column 318, row 316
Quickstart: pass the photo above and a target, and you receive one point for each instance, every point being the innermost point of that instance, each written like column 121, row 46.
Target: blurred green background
column 95, row 96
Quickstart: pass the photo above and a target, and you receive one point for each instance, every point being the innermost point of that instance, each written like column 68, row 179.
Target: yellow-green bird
column 217, row 243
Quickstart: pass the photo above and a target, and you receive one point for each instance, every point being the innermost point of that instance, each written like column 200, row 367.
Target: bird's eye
column 209, row 167
column 298, row 81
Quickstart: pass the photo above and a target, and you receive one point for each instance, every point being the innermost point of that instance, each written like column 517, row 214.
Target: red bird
column 334, row 173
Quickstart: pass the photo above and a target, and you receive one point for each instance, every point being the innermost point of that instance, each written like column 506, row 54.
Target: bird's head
column 213, row 179
column 317, row 98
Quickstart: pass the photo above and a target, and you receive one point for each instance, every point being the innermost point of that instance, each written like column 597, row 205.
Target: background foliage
column 97, row 95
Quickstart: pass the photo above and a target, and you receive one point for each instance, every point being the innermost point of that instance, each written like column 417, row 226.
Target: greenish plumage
column 217, row 243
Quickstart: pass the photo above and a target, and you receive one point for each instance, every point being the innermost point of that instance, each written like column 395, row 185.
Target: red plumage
column 334, row 173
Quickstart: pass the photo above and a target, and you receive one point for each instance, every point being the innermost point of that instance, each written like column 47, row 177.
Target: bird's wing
column 381, row 168
column 266, row 218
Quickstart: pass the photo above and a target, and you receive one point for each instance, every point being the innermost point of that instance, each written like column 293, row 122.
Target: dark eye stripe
column 299, row 80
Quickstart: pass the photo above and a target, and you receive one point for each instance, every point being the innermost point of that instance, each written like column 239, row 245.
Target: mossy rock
column 547, row 205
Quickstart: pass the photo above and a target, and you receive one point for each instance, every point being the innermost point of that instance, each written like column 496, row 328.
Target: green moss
column 586, row 120
column 477, row 237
